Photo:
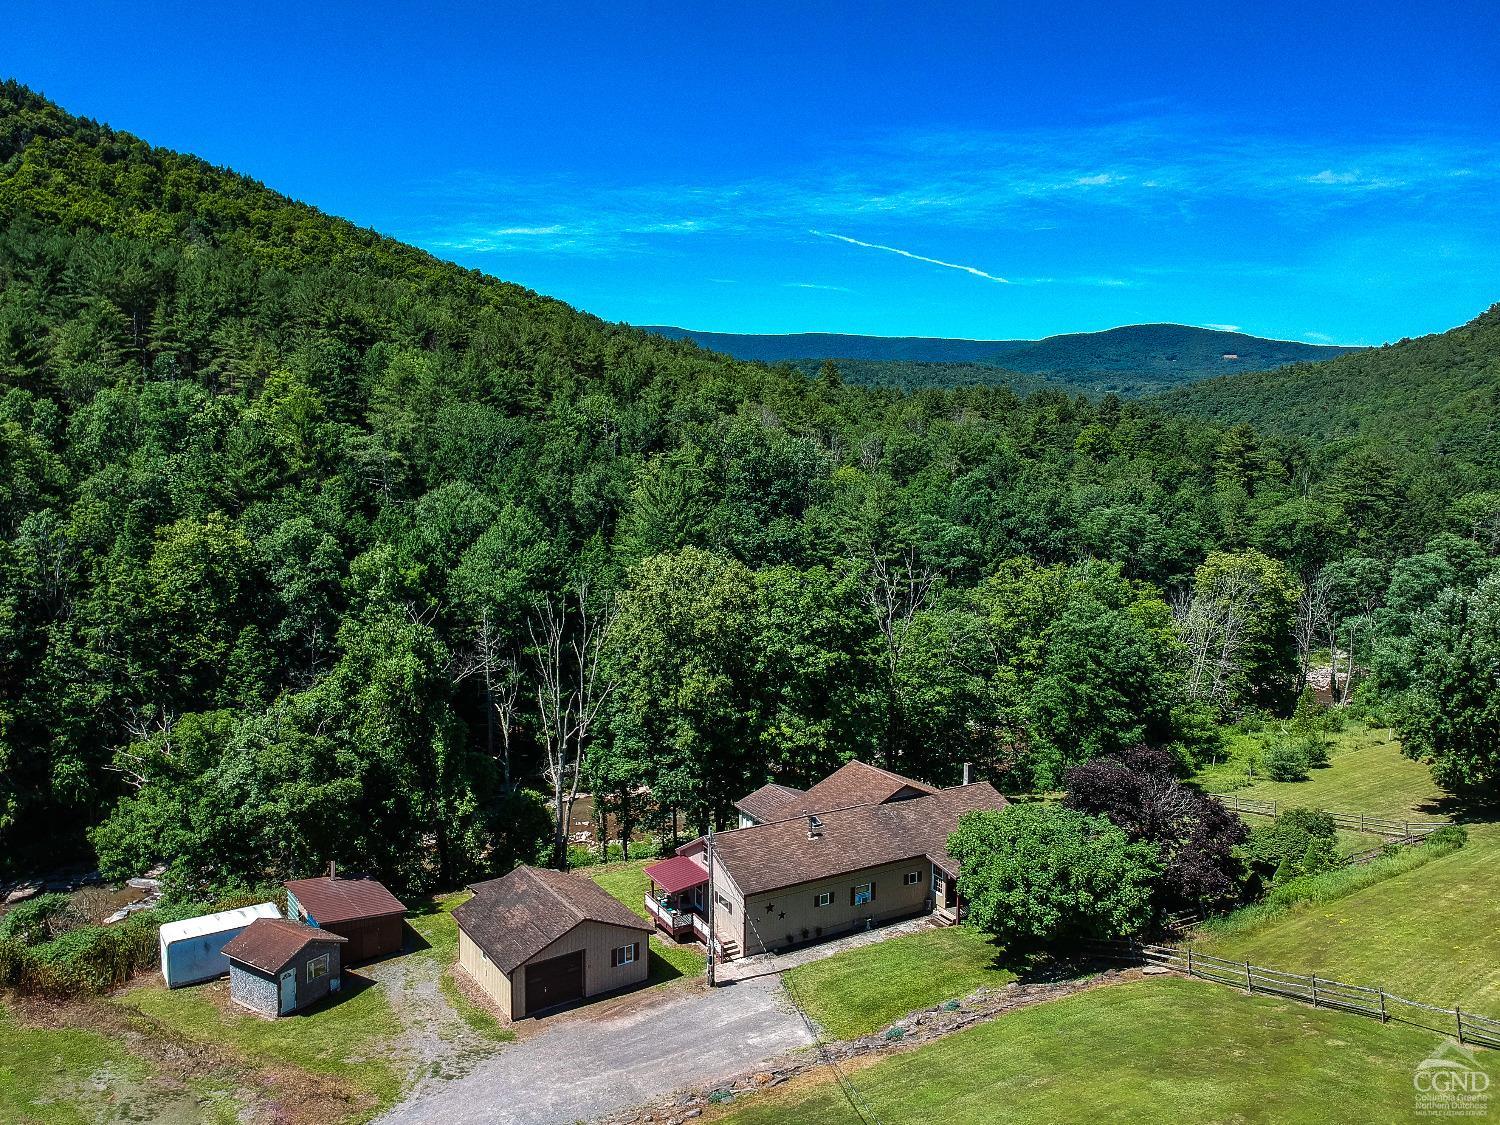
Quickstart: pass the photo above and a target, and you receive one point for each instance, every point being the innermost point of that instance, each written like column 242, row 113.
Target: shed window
column 625, row 954
column 862, row 893
column 317, row 968
column 823, row 898
column 913, row 878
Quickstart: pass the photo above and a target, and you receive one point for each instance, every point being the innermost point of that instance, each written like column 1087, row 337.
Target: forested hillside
column 1437, row 397
column 313, row 546
column 1133, row 360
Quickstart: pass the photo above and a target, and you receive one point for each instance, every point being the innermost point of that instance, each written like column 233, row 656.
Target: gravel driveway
column 629, row 1051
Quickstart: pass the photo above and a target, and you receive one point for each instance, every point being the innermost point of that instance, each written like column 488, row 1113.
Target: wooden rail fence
column 1350, row 821
column 1320, row 992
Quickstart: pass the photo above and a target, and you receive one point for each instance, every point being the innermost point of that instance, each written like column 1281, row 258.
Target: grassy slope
column 1366, row 773
column 628, row 883
column 862, row 990
column 1165, row 1050
column 342, row 1039
column 1430, row 934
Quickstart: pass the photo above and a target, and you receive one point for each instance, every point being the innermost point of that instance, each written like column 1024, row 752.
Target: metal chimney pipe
column 967, row 772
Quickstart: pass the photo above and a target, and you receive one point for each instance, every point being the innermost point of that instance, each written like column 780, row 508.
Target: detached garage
column 536, row 939
column 361, row 910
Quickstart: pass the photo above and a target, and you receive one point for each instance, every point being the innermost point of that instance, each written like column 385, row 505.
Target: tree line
column 315, row 547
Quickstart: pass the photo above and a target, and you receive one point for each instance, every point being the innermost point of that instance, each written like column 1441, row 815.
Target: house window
column 625, row 954
column 724, row 902
column 317, row 968
column 913, row 878
column 863, row 893
column 823, row 898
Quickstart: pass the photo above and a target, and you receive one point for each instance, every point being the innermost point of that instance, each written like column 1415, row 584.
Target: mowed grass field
column 1431, row 934
column 1160, row 1050
column 868, row 988
column 1366, row 773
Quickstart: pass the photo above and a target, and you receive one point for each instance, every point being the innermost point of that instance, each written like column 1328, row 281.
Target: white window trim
column 869, row 894
column 913, row 878
column 625, row 955
column 825, row 898
column 322, row 961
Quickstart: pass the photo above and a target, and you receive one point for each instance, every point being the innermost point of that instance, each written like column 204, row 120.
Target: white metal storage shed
column 193, row 950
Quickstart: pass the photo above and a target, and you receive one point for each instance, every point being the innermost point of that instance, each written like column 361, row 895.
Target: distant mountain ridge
column 1136, row 358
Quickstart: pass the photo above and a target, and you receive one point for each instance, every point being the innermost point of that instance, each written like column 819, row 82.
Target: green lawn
column 864, row 989
column 345, row 1038
column 1366, row 773
column 1430, row 934
column 628, row 883
column 1165, row 1050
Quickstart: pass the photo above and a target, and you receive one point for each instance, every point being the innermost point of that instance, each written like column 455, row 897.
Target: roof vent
column 814, row 827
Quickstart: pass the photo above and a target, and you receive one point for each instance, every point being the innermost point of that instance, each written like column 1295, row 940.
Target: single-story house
column 862, row 847
column 277, row 967
column 536, row 938
column 361, row 910
column 192, row 950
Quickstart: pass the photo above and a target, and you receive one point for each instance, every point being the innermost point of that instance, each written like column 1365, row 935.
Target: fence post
column 1459, row 1016
column 1361, row 822
column 1249, row 985
column 1190, row 960
column 1315, row 989
column 1383, row 1017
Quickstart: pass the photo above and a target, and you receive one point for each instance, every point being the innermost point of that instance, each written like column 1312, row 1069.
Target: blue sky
column 1008, row 170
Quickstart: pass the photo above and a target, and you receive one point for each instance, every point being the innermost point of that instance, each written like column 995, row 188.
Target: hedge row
column 98, row 958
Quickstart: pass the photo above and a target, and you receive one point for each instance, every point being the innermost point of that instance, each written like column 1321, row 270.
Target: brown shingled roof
column 767, row 802
column 331, row 899
column 269, row 944
column 515, row 917
column 853, row 783
column 767, row 857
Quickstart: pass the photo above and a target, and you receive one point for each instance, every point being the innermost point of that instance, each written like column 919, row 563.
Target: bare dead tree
column 1211, row 626
column 897, row 590
column 491, row 658
column 571, row 689
column 1313, row 612
column 143, row 726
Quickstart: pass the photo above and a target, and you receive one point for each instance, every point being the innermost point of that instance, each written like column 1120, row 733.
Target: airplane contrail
column 915, row 257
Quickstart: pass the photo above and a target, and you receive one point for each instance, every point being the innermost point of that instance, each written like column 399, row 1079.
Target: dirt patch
column 179, row 1065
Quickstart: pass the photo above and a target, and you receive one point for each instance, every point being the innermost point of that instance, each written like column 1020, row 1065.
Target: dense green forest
column 1130, row 361
column 314, row 546
column 1437, row 398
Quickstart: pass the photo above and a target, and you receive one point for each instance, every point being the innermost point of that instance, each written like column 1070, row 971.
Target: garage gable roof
column 515, row 917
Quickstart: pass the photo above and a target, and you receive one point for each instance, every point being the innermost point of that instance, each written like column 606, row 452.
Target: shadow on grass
column 353, row 984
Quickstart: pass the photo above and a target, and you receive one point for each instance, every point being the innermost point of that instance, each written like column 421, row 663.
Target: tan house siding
column 484, row 972
column 596, row 940
column 893, row 899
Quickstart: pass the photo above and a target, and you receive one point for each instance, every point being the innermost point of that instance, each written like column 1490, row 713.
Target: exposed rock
column 22, row 893
column 1155, row 970
column 144, row 884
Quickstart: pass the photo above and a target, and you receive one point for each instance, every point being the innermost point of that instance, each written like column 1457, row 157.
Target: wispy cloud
column 1223, row 327
column 815, row 285
column 975, row 270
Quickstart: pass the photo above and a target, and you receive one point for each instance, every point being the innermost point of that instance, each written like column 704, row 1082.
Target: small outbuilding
column 192, row 950
column 536, row 938
column 277, row 967
column 361, row 910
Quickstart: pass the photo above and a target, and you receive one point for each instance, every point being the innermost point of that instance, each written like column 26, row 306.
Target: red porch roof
column 677, row 874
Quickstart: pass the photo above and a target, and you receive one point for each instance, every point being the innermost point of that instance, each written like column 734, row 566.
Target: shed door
column 554, row 981
column 288, row 991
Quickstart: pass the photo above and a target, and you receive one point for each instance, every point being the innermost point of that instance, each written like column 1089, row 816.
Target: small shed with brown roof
column 277, row 967
column 361, row 910
column 536, row 938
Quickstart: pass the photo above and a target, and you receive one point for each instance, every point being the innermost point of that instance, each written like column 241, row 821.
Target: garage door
column 554, row 981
